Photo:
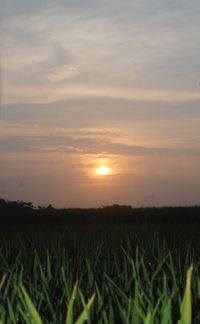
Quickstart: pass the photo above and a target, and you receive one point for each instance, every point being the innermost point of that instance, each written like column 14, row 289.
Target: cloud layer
column 87, row 82
column 130, row 50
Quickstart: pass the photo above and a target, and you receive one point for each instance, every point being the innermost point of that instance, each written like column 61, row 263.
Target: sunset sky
column 100, row 102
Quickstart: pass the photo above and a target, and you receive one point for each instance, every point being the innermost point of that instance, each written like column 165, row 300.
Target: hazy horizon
column 100, row 102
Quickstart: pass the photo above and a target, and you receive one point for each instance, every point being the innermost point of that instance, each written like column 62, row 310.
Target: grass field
column 139, row 274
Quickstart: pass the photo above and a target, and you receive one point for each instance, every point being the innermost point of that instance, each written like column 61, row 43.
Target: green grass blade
column 84, row 316
column 3, row 279
column 148, row 319
column 186, row 306
column 31, row 308
column 70, row 317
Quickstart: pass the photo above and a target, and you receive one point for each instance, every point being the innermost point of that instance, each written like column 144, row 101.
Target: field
column 114, row 274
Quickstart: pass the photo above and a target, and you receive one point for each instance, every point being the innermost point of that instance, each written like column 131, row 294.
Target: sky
column 93, row 83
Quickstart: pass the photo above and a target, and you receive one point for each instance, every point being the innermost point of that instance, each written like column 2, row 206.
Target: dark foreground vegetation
column 141, row 269
column 12, row 212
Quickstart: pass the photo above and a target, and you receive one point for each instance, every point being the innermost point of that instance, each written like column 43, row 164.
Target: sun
column 102, row 171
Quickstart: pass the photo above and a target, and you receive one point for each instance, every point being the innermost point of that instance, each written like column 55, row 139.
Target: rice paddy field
column 142, row 274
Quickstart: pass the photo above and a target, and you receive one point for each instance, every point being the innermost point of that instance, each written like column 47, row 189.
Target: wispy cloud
column 77, row 72
column 59, row 74
column 39, row 140
column 46, row 93
column 133, row 48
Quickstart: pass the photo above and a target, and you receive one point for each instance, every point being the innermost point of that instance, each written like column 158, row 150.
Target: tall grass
column 99, row 276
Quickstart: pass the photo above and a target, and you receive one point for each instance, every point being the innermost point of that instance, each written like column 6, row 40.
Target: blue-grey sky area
column 95, row 83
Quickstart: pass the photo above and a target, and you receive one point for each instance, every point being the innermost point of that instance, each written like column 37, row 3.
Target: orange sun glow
column 102, row 171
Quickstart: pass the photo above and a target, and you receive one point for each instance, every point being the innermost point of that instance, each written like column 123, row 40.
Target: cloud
column 132, row 50
column 59, row 74
column 40, row 140
column 48, row 93
column 112, row 108
column 78, row 71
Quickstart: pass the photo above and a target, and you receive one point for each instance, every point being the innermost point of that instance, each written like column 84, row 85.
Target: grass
column 122, row 275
